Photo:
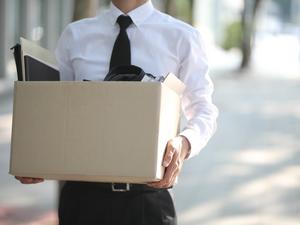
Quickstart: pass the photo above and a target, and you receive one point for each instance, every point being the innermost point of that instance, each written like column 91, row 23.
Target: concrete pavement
column 249, row 174
column 21, row 204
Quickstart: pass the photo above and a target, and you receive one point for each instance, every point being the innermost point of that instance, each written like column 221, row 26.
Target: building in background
column 214, row 16
column 43, row 21
column 38, row 20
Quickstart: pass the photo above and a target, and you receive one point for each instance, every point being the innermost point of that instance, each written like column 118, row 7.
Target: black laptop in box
column 35, row 67
column 35, row 70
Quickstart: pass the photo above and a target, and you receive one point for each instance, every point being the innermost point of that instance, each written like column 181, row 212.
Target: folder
column 18, row 60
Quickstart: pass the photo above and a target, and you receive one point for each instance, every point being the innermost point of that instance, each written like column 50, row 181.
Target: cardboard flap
column 172, row 82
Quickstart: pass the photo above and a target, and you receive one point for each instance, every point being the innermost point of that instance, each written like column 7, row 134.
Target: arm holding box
column 197, row 106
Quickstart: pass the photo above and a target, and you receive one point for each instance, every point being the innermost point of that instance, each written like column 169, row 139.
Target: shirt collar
column 138, row 15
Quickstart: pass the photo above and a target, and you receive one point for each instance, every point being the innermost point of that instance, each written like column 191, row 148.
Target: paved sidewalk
column 21, row 204
column 249, row 174
column 26, row 216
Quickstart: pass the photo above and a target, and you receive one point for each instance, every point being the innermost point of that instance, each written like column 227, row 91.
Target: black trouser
column 83, row 203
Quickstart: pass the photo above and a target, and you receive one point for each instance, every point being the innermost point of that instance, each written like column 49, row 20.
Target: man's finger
column 38, row 180
column 28, row 180
column 174, row 179
column 170, row 180
column 170, row 151
column 172, row 170
column 162, row 183
column 169, row 173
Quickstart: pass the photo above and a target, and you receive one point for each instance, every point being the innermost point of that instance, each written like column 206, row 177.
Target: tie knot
column 124, row 21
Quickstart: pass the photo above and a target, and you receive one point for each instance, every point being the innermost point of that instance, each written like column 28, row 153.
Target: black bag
column 127, row 73
column 17, row 56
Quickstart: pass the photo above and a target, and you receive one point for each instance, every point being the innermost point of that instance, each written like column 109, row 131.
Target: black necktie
column 121, row 52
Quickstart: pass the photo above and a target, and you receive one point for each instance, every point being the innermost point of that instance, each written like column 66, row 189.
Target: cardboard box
column 92, row 131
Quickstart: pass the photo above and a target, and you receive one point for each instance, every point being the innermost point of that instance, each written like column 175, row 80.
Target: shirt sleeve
column 197, row 106
column 62, row 53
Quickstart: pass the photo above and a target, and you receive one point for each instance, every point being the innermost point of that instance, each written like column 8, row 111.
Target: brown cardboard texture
column 92, row 131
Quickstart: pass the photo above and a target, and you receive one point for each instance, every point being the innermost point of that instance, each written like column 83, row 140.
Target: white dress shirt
column 160, row 44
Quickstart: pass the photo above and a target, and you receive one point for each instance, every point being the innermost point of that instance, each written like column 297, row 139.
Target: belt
column 115, row 187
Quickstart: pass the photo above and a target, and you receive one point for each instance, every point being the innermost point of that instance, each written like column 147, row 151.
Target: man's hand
column 29, row 180
column 176, row 151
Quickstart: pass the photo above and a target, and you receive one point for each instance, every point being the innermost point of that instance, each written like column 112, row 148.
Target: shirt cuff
column 195, row 142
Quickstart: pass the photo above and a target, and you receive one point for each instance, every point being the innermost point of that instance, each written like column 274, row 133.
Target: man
column 133, row 32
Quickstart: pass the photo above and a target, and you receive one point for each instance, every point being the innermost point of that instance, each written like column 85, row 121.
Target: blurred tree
column 85, row 8
column 233, row 36
column 191, row 11
column 248, row 29
column 182, row 9
column 171, row 7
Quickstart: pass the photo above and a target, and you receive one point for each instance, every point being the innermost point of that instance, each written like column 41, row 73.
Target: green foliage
column 184, row 10
column 181, row 9
column 233, row 36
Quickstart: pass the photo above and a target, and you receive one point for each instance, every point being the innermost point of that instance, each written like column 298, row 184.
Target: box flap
column 174, row 83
